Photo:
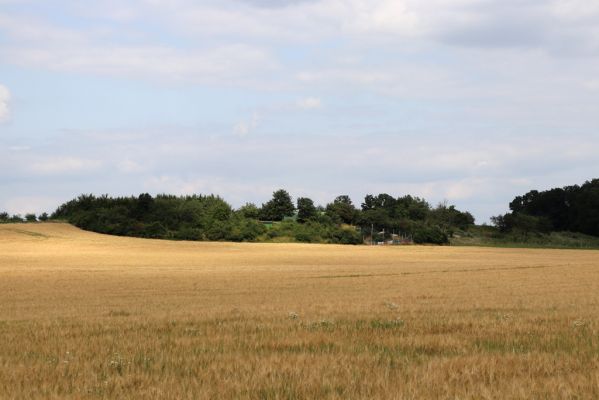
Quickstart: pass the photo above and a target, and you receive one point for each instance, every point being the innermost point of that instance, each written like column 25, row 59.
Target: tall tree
column 249, row 210
column 342, row 209
column 305, row 209
column 279, row 207
column 30, row 217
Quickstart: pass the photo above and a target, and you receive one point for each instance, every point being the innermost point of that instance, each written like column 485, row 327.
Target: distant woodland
column 570, row 209
column 379, row 218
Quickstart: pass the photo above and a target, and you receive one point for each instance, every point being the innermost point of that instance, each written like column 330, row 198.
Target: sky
column 464, row 101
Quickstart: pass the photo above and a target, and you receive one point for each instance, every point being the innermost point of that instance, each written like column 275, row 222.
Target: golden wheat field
column 84, row 315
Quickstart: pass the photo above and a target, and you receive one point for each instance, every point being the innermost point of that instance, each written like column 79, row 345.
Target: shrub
column 430, row 234
column 347, row 235
column 30, row 217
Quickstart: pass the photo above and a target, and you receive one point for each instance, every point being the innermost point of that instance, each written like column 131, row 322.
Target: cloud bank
column 466, row 100
column 4, row 99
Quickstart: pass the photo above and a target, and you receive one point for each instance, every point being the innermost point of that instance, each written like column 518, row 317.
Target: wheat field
column 84, row 315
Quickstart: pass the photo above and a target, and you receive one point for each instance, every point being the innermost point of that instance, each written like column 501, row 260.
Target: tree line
column 209, row 217
column 16, row 218
column 378, row 218
column 571, row 208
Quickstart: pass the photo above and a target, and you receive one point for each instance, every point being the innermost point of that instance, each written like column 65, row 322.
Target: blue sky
column 467, row 101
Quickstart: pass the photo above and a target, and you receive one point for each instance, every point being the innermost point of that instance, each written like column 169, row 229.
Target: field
column 84, row 315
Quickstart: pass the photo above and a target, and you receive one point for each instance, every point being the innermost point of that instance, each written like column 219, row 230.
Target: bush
column 347, row 235
column 430, row 234
column 155, row 230
column 188, row 233
column 16, row 218
column 304, row 237
column 30, row 217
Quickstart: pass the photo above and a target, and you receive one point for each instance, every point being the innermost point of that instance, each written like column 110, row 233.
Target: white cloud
column 237, row 44
column 425, row 97
column 63, row 165
column 229, row 64
column 310, row 103
column 130, row 167
column 481, row 175
column 235, row 192
column 575, row 10
column 592, row 84
column 489, row 24
column 463, row 189
column 122, row 52
column 243, row 128
column 4, row 100
column 386, row 16
column 19, row 148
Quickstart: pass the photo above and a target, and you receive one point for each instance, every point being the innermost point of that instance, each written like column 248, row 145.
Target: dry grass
column 84, row 315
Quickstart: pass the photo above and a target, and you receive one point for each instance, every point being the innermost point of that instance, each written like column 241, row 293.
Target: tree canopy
column 571, row 208
column 209, row 217
column 279, row 207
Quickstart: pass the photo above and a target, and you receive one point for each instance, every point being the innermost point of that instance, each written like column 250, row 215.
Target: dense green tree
column 305, row 209
column 279, row 207
column 144, row 205
column 249, row 210
column 414, row 208
column 343, row 210
column 430, row 234
column 200, row 217
column 15, row 218
column 448, row 217
column 30, row 217
column 572, row 208
column 384, row 215
column 246, row 229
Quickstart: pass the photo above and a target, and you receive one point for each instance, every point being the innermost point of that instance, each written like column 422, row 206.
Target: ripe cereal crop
column 84, row 315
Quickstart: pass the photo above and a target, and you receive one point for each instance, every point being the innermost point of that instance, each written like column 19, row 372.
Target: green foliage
column 305, row 209
column 491, row 236
column 201, row 217
column 279, row 207
column 249, row 210
column 30, row 217
column 166, row 217
column 342, row 210
column 347, row 235
column 16, row 218
column 572, row 208
column 5, row 218
column 449, row 218
column 430, row 234
column 246, row 230
column 522, row 223
column 313, row 232
column 411, row 216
